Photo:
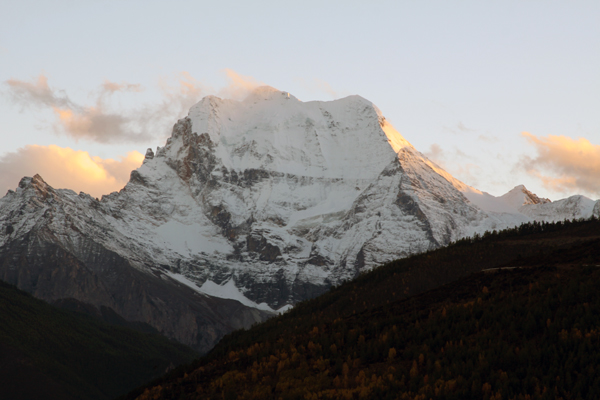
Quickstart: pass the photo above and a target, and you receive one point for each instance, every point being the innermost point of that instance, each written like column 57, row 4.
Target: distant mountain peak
column 520, row 196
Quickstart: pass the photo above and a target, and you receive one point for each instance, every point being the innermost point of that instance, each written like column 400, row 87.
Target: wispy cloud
column 326, row 88
column 95, row 122
column 321, row 86
column 111, row 87
column 37, row 94
column 67, row 168
column 102, row 123
column 436, row 154
column 239, row 85
column 456, row 162
column 564, row 164
column 488, row 139
column 458, row 128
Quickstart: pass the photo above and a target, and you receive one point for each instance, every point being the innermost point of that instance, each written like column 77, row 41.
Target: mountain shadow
column 49, row 353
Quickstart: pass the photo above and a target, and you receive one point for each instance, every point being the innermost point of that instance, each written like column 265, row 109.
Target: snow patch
column 230, row 291
column 226, row 291
column 190, row 239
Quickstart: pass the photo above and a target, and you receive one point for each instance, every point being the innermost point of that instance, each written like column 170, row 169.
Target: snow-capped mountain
column 520, row 205
column 268, row 201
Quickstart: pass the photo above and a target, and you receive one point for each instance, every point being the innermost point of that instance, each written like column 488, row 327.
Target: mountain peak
column 519, row 196
column 37, row 183
column 272, row 130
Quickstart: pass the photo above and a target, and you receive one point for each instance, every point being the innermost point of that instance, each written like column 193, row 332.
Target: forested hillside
column 530, row 330
column 48, row 353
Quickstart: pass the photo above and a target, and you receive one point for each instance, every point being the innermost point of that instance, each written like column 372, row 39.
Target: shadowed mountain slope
column 50, row 353
column 526, row 326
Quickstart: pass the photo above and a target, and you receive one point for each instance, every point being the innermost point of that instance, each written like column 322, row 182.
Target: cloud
column 488, row 139
column 459, row 164
column 320, row 86
column 99, row 122
column 111, row 87
column 37, row 94
column 459, row 128
column 564, row 164
column 96, row 123
column 239, row 85
column 178, row 98
column 436, row 154
column 326, row 87
column 67, row 168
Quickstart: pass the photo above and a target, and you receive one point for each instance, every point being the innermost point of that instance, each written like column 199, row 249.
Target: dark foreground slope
column 527, row 332
column 48, row 353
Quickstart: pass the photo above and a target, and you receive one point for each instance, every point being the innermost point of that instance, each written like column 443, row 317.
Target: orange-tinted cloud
column 111, row 87
column 97, row 123
column 178, row 99
column 101, row 123
column 239, row 85
column 459, row 128
column 189, row 90
column 37, row 93
column 321, row 86
column 67, row 168
column 564, row 164
column 435, row 153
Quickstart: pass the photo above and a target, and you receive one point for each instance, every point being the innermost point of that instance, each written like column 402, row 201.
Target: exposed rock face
column 283, row 197
column 51, row 255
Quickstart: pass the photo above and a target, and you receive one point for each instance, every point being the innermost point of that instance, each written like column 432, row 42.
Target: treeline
column 527, row 333
column 528, row 228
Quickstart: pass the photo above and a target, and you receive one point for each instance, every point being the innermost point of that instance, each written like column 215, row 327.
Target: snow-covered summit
column 519, row 196
column 573, row 207
column 511, row 202
column 271, row 130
